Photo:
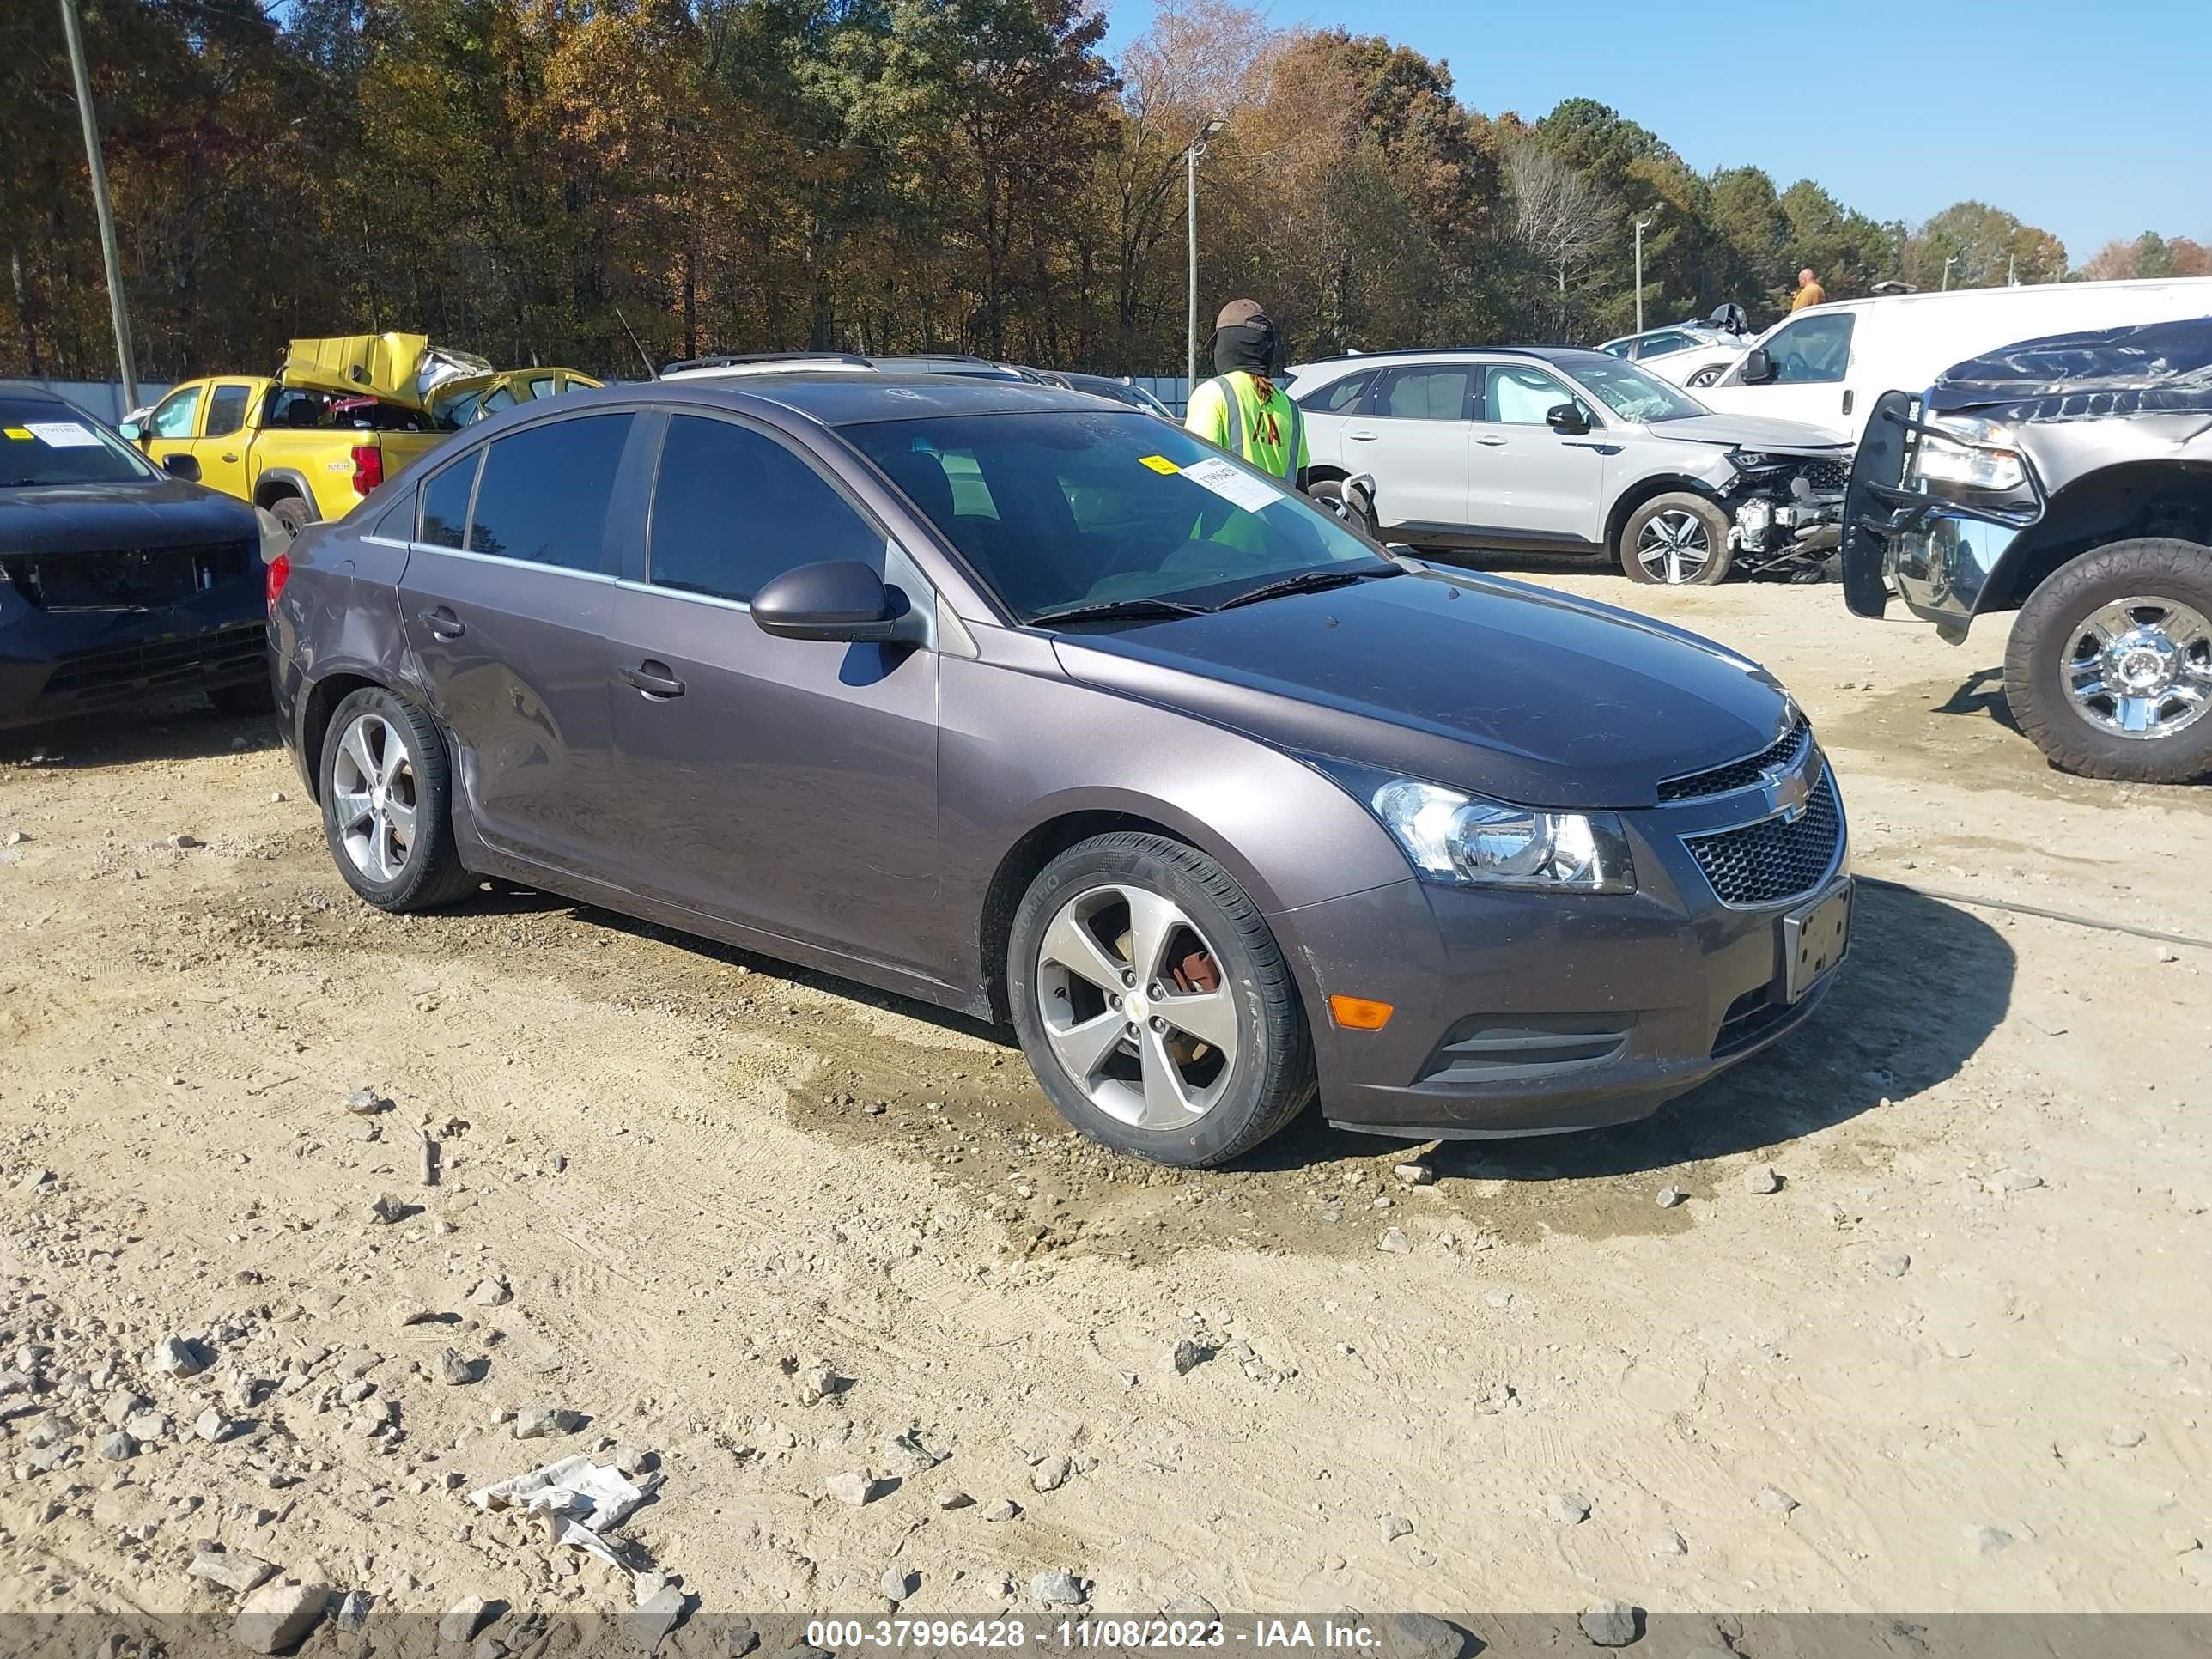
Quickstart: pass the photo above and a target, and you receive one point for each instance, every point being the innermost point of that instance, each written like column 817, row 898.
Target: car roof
column 1565, row 357
column 31, row 391
column 832, row 398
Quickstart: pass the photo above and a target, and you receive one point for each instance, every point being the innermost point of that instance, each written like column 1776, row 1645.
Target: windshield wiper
column 1107, row 609
column 1307, row 582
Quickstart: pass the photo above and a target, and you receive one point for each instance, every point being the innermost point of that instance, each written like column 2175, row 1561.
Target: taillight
column 280, row 572
column 368, row 468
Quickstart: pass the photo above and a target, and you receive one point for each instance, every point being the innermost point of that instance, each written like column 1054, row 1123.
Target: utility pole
column 99, row 206
column 1643, row 225
column 1190, row 185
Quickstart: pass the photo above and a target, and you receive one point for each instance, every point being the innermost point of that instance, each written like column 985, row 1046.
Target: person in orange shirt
column 1810, row 292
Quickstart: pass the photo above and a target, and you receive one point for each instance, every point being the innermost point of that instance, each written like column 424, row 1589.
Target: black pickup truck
column 2068, row 478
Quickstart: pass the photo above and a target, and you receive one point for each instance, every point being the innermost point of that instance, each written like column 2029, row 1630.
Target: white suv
column 1551, row 450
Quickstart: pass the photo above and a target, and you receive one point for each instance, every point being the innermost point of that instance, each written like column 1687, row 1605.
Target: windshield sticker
column 1233, row 485
column 1159, row 464
column 21, row 434
column 63, row 434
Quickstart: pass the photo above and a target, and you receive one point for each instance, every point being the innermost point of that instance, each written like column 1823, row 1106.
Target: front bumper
column 54, row 664
column 1936, row 552
column 1527, row 1013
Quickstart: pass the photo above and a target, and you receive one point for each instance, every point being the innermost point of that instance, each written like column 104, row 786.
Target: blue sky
column 2083, row 117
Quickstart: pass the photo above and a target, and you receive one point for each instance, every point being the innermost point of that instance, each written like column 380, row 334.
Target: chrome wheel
column 1673, row 546
column 1134, row 1007
column 372, row 786
column 2141, row 667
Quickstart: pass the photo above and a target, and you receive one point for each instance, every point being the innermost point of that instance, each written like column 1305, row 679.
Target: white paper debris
column 580, row 1500
column 1233, row 485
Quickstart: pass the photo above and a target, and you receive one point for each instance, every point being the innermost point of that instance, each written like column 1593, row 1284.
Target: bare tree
column 1559, row 218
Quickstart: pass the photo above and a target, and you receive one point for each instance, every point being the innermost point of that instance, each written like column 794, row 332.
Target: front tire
column 387, row 804
column 2109, row 668
column 1153, row 1003
column 1675, row 540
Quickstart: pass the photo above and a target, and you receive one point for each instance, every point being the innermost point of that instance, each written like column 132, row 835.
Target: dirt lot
column 1958, row 1361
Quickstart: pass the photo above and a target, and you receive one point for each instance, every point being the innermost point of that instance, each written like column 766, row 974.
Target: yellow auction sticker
column 22, row 435
column 1161, row 464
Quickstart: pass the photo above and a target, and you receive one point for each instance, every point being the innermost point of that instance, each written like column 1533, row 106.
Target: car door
column 1811, row 360
column 784, row 785
column 174, row 422
column 508, row 600
column 1326, row 408
column 1526, row 484
column 1411, row 432
column 220, row 447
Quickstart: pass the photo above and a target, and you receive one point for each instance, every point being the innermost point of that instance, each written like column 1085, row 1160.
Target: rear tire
column 1351, row 506
column 292, row 513
column 1110, row 953
column 2142, row 593
column 1675, row 540
column 387, row 804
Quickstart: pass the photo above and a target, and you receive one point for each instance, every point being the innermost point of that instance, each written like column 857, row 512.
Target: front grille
column 126, row 579
column 1773, row 861
column 124, row 670
column 1829, row 477
column 1779, row 755
column 1495, row 1048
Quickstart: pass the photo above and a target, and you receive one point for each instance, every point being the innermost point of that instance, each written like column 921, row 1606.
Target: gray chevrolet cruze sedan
column 1000, row 697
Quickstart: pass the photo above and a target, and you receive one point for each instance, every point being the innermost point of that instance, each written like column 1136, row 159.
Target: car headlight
column 1451, row 836
column 1971, row 452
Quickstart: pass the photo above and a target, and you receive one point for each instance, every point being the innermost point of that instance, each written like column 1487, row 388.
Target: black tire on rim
column 1678, row 539
column 292, row 513
column 2109, row 668
column 1153, row 1003
column 387, row 800
column 1351, row 506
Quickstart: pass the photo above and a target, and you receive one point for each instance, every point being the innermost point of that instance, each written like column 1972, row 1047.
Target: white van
column 1826, row 364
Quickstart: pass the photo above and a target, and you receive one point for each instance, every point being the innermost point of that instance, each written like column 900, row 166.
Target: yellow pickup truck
column 341, row 416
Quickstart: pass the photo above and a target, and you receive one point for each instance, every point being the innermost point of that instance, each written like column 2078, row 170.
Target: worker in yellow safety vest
column 1241, row 410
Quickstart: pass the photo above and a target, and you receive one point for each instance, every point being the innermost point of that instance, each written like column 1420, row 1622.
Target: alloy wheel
column 1673, row 546
column 2141, row 668
column 1132, row 1002
column 374, row 787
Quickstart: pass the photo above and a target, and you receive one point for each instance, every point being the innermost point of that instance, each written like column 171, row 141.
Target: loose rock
column 904, row 1456
column 1005, row 1509
column 816, row 1385
column 454, row 1370
column 1415, row 1174
column 1059, row 1589
column 352, row 1613
column 117, row 1447
column 1893, row 1264
column 1669, row 1196
column 1568, row 1508
column 1761, row 1179
column 543, row 1422
column 1051, row 1474
column 491, row 1293
column 462, row 1620
column 1775, row 1500
column 1395, row 1242
column 175, row 1357
column 276, row 1616
column 1988, row 1539
column 1668, row 1543
column 854, row 1487
column 2123, row 1437
column 1610, row 1623
column 654, row 1617
column 1416, row 1636
column 1395, row 1526
column 1186, row 1357
column 212, row 1426
column 2016, row 1181
column 898, row 1584
column 390, row 1207
column 366, row 1103
column 234, row 1570
column 953, row 1498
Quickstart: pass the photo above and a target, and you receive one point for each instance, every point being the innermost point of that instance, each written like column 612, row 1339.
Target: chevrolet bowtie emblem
column 1787, row 791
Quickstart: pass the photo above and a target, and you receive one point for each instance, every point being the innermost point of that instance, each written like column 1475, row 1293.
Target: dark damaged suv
column 2071, row 479
column 1004, row 698
column 119, row 581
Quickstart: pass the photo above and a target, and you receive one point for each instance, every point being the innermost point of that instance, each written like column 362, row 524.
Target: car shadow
column 177, row 729
column 1925, row 985
column 1981, row 693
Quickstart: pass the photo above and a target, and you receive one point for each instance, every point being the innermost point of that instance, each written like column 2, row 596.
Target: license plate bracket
column 1815, row 938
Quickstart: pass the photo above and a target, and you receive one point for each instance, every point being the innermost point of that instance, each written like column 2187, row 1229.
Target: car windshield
column 1635, row 394
column 1060, row 511
column 44, row 442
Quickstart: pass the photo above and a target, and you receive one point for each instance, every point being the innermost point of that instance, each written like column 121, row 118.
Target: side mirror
column 1565, row 417
column 186, row 467
column 132, row 426
column 842, row 600
column 1757, row 366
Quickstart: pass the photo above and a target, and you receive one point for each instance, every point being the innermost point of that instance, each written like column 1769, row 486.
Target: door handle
column 1492, row 443
column 230, row 458
column 441, row 621
column 1847, row 403
column 1361, row 437
column 655, row 679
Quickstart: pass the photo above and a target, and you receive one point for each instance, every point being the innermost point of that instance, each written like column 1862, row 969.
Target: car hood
column 1758, row 432
column 400, row 368
column 1508, row 690
column 108, row 517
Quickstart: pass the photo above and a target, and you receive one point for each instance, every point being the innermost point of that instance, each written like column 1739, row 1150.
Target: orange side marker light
column 1358, row 1014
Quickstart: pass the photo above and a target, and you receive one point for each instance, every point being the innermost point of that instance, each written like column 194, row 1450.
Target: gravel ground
column 1927, row 1329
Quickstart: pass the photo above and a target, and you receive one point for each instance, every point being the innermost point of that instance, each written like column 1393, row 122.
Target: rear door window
column 545, row 491
column 1338, row 396
column 733, row 508
column 1423, row 394
column 446, row 503
column 225, row 410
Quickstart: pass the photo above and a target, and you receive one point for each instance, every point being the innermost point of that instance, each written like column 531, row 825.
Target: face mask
column 1248, row 346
